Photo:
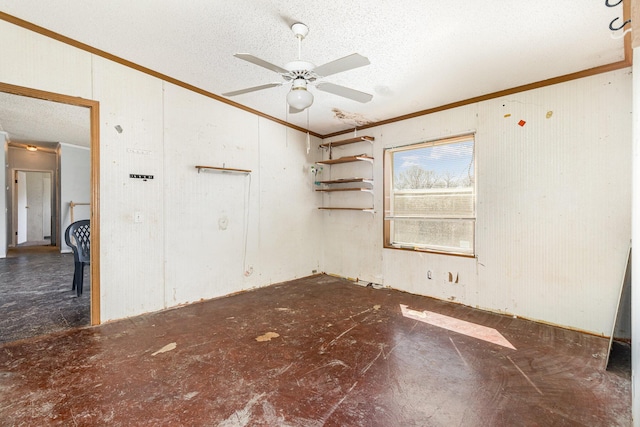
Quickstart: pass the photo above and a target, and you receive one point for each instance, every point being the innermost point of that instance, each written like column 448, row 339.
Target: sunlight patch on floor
column 456, row 325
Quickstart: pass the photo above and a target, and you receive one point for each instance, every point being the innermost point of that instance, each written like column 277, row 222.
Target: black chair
column 78, row 237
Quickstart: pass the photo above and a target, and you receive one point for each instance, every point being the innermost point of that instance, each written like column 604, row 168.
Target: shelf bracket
column 365, row 158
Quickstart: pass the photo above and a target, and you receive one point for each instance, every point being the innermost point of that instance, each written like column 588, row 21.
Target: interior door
column 36, row 200
column 47, row 211
column 34, row 211
column 21, row 188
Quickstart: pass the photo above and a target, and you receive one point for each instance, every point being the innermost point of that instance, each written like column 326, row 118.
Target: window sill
column 430, row 251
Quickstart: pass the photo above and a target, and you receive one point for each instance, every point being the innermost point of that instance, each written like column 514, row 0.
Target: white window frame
column 389, row 216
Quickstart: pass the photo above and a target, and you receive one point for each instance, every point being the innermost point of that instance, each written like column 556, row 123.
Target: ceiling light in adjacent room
column 32, row 148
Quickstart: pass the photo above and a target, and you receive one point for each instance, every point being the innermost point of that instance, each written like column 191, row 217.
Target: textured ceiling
column 423, row 53
column 43, row 123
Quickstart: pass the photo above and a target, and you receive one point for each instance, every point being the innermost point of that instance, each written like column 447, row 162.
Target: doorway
column 33, row 208
column 43, row 224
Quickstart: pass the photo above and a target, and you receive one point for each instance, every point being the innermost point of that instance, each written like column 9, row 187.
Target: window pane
column 446, row 235
column 443, row 203
column 434, row 166
column 430, row 196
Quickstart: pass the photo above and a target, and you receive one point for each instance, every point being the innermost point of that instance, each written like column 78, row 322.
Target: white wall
column 75, row 185
column 38, row 62
column 179, row 252
column 635, row 263
column 4, row 213
column 226, row 230
column 553, row 206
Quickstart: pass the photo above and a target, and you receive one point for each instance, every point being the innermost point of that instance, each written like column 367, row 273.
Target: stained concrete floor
column 36, row 296
column 312, row 352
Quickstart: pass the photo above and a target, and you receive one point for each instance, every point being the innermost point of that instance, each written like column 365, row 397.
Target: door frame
column 94, row 118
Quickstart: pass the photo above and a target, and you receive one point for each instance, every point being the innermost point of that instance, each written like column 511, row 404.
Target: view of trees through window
column 432, row 196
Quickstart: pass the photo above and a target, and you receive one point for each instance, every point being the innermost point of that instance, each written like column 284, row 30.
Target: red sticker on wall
column 522, row 123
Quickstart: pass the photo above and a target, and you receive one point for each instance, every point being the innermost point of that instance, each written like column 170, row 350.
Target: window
column 430, row 196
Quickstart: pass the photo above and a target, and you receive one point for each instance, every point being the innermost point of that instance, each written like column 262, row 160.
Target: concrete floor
column 312, row 352
column 36, row 296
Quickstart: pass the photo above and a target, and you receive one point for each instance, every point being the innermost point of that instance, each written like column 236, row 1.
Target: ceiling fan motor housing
column 300, row 69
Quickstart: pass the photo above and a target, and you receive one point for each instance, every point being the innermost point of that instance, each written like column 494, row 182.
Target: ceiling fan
column 302, row 73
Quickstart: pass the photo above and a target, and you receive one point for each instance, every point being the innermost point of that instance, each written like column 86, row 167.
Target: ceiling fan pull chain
column 308, row 136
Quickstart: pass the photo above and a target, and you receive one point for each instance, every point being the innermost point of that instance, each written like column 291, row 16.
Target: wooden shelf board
column 326, row 208
column 368, row 190
column 348, row 159
column 348, row 141
column 347, row 180
column 217, row 169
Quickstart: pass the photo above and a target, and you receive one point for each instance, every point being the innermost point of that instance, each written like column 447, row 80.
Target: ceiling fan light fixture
column 301, row 73
column 299, row 97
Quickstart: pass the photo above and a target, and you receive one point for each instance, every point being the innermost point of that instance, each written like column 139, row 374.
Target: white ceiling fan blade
column 343, row 91
column 350, row 62
column 261, row 62
column 251, row 89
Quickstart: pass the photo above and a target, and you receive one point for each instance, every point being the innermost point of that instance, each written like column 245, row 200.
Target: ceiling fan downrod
column 300, row 30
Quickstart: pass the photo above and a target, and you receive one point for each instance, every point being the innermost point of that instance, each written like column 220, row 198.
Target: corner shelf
column 368, row 190
column 347, row 141
column 347, row 180
column 329, row 185
column 347, row 159
column 370, row 210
